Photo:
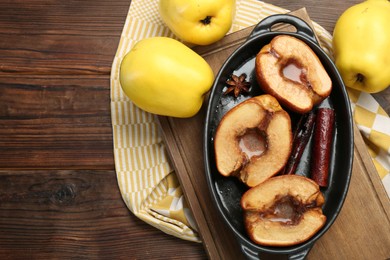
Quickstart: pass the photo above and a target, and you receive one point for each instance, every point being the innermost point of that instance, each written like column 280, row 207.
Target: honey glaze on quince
column 253, row 143
column 286, row 209
column 293, row 71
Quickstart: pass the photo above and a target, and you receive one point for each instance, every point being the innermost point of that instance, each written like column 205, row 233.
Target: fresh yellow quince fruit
column 200, row 22
column 361, row 44
column 165, row 77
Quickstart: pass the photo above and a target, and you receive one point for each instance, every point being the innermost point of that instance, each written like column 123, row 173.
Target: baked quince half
column 253, row 140
column 283, row 211
column 288, row 69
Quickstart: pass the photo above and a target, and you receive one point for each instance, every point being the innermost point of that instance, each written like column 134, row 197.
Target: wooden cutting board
column 362, row 230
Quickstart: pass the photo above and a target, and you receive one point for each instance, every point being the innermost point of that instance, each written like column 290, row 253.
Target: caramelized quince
column 288, row 69
column 253, row 140
column 283, row 211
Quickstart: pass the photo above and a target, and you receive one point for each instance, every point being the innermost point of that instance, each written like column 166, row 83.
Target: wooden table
column 58, row 192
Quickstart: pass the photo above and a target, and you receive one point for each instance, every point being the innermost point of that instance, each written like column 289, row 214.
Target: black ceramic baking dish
column 227, row 191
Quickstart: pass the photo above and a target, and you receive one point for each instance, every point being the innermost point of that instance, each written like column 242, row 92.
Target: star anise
column 237, row 85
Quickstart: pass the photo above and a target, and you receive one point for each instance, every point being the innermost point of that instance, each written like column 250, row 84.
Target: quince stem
column 206, row 20
column 359, row 78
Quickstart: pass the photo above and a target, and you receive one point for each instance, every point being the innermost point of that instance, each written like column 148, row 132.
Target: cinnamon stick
column 323, row 136
column 301, row 137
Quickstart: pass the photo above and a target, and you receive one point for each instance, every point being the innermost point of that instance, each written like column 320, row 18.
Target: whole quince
column 361, row 44
column 165, row 77
column 200, row 22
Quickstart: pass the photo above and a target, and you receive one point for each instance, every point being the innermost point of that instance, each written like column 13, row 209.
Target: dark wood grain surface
column 58, row 192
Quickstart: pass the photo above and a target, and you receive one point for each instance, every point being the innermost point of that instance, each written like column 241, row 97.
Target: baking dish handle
column 253, row 255
column 265, row 26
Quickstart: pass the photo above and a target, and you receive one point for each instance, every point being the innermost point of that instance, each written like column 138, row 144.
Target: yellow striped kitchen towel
column 145, row 176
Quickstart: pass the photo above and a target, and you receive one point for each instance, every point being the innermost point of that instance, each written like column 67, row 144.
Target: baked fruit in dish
column 253, row 140
column 283, row 211
column 288, row 69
